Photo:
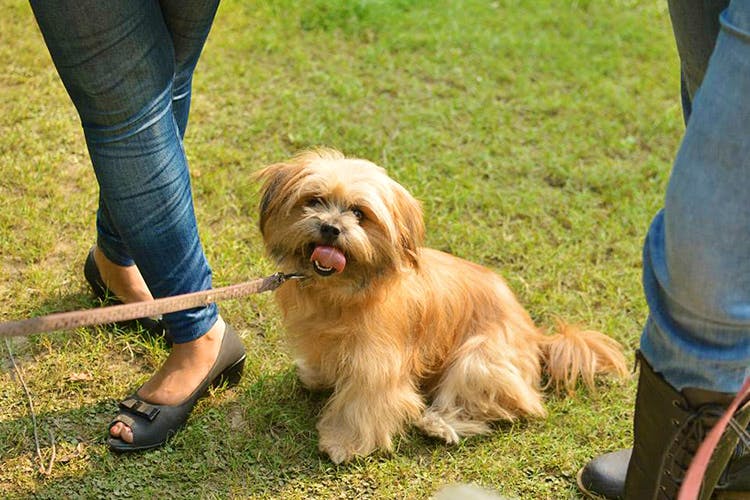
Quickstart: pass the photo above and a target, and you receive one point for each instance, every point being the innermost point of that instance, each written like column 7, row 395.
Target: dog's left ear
column 410, row 223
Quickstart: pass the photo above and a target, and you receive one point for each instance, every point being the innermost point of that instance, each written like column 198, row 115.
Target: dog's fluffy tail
column 573, row 353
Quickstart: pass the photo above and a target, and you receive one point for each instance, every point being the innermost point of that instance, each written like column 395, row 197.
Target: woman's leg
column 695, row 24
column 188, row 22
column 697, row 257
column 696, row 343
column 117, row 61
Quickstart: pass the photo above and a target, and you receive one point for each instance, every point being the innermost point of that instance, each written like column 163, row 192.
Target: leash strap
column 691, row 485
column 124, row 312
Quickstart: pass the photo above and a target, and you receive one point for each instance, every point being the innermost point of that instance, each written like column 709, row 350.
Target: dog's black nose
column 329, row 231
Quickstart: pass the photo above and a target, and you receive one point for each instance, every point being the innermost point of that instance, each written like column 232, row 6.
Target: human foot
column 186, row 366
column 162, row 405
column 125, row 282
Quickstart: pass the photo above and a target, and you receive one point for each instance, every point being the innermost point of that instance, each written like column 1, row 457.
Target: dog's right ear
column 276, row 179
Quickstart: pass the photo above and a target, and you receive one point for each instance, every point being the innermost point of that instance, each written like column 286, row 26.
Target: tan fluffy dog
column 401, row 333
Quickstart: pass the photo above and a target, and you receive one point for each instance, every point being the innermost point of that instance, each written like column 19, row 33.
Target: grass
column 538, row 134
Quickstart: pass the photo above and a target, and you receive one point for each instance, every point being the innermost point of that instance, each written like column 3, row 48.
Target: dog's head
column 327, row 216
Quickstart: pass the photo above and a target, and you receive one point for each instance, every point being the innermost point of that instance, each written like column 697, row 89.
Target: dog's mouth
column 327, row 260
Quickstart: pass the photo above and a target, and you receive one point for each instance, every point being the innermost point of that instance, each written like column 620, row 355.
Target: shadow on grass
column 257, row 440
column 244, row 438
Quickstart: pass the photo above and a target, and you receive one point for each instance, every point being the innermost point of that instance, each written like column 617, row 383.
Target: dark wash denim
column 127, row 66
column 696, row 268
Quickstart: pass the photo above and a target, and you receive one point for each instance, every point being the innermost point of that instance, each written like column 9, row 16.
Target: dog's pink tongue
column 329, row 257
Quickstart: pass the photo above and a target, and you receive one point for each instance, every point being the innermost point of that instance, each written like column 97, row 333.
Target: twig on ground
column 52, row 458
column 30, row 402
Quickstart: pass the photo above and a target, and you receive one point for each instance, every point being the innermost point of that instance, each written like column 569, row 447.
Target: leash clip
column 293, row 276
column 275, row 280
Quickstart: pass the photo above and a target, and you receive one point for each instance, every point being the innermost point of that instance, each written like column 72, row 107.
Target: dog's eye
column 358, row 213
column 314, row 202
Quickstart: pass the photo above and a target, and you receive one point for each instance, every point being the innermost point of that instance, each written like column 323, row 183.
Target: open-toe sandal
column 153, row 424
column 154, row 326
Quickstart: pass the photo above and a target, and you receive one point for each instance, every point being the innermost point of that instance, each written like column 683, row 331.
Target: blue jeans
column 127, row 66
column 696, row 25
column 696, row 265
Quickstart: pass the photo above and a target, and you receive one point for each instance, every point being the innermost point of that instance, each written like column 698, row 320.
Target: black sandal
column 155, row 327
column 154, row 424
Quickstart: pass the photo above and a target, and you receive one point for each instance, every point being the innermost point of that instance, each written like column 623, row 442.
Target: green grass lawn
column 537, row 133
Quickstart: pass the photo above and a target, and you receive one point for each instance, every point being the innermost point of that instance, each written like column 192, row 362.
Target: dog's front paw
column 343, row 446
column 338, row 454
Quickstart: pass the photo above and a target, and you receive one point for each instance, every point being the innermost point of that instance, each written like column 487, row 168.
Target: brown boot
column 668, row 427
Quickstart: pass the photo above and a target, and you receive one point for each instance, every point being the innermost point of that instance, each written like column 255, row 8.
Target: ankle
column 185, row 367
column 126, row 282
column 205, row 344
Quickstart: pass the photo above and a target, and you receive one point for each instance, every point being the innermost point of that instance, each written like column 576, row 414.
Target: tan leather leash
column 691, row 485
column 124, row 312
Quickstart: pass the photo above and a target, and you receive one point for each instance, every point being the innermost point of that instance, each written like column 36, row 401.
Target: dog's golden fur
column 403, row 334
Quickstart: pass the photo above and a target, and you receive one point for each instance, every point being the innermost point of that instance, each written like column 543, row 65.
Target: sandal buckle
column 141, row 408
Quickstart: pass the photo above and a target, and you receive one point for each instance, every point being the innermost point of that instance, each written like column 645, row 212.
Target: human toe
column 121, row 431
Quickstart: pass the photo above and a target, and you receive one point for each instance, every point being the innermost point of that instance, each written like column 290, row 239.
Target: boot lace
column 691, row 433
